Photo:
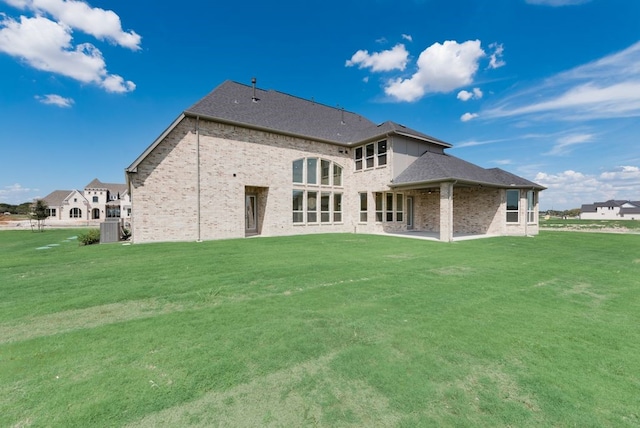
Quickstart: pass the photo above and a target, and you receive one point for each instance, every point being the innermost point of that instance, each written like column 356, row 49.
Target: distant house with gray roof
column 611, row 210
column 95, row 203
column 244, row 161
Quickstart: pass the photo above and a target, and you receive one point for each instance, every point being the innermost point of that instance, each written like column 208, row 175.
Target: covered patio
column 453, row 200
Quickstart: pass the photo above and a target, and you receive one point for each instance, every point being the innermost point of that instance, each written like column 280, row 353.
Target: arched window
column 311, row 206
column 95, row 214
column 75, row 213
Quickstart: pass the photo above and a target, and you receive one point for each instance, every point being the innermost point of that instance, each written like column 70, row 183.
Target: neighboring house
column 244, row 161
column 97, row 202
column 611, row 210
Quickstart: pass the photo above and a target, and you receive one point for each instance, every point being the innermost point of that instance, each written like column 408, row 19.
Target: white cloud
column 56, row 100
column 603, row 89
column 395, row 58
column 99, row 23
column 564, row 145
column 407, row 37
column 495, row 59
column 46, row 45
column 16, row 194
column 623, row 173
column 441, row 68
column 556, row 3
column 571, row 189
column 466, row 95
column 468, row 116
column 503, row 162
column 473, row 143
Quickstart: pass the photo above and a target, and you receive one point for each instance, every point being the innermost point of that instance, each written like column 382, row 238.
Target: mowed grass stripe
column 66, row 321
column 326, row 330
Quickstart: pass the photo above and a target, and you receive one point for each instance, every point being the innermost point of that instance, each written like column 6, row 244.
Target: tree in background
column 39, row 213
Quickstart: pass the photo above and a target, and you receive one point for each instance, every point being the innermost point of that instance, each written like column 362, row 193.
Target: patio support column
column 446, row 212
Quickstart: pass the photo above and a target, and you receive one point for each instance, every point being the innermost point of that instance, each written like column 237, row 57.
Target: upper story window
column 370, row 155
column 95, row 199
column 316, row 171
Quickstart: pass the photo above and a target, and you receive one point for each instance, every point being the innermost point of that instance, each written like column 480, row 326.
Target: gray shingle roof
column 113, row 188
column 56, row 198
column 273, row 110
column 436, row 167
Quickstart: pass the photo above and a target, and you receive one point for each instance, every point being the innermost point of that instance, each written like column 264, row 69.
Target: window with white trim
column 379, row 206
column 298, row 171
column 337, row 207
column 389, row 206
column 298, row 206
column 75, row 213
column 363, row 207
column 357, row 153
column 312, row 171
column 314, row 199
column 399, row 207
column 382, row 152
column 325, row 212
column 513, row 205
column 312, row 207
column 370, row 155
column 337, row 175
column 531, row 206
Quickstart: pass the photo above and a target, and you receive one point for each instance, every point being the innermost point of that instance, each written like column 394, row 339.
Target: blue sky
column 546, row 89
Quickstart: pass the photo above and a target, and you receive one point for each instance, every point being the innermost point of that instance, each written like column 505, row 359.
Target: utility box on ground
column 110, row 230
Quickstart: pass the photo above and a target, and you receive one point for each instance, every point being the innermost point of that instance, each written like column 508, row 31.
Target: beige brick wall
column 233, row 161
column 476, row 210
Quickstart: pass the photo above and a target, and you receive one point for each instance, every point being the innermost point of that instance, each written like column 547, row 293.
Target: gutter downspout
column 199, row 239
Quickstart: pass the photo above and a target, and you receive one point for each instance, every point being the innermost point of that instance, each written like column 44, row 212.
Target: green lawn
column 325, row 330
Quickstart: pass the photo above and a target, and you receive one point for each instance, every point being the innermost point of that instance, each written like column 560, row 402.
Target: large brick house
column 244, row 161
column 97, row 202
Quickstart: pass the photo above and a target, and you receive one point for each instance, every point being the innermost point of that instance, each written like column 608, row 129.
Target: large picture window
column 513, row 205
column 75, row 213
column 314, row 200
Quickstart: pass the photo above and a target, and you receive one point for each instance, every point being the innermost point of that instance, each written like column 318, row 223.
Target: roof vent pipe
column 253, row 83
